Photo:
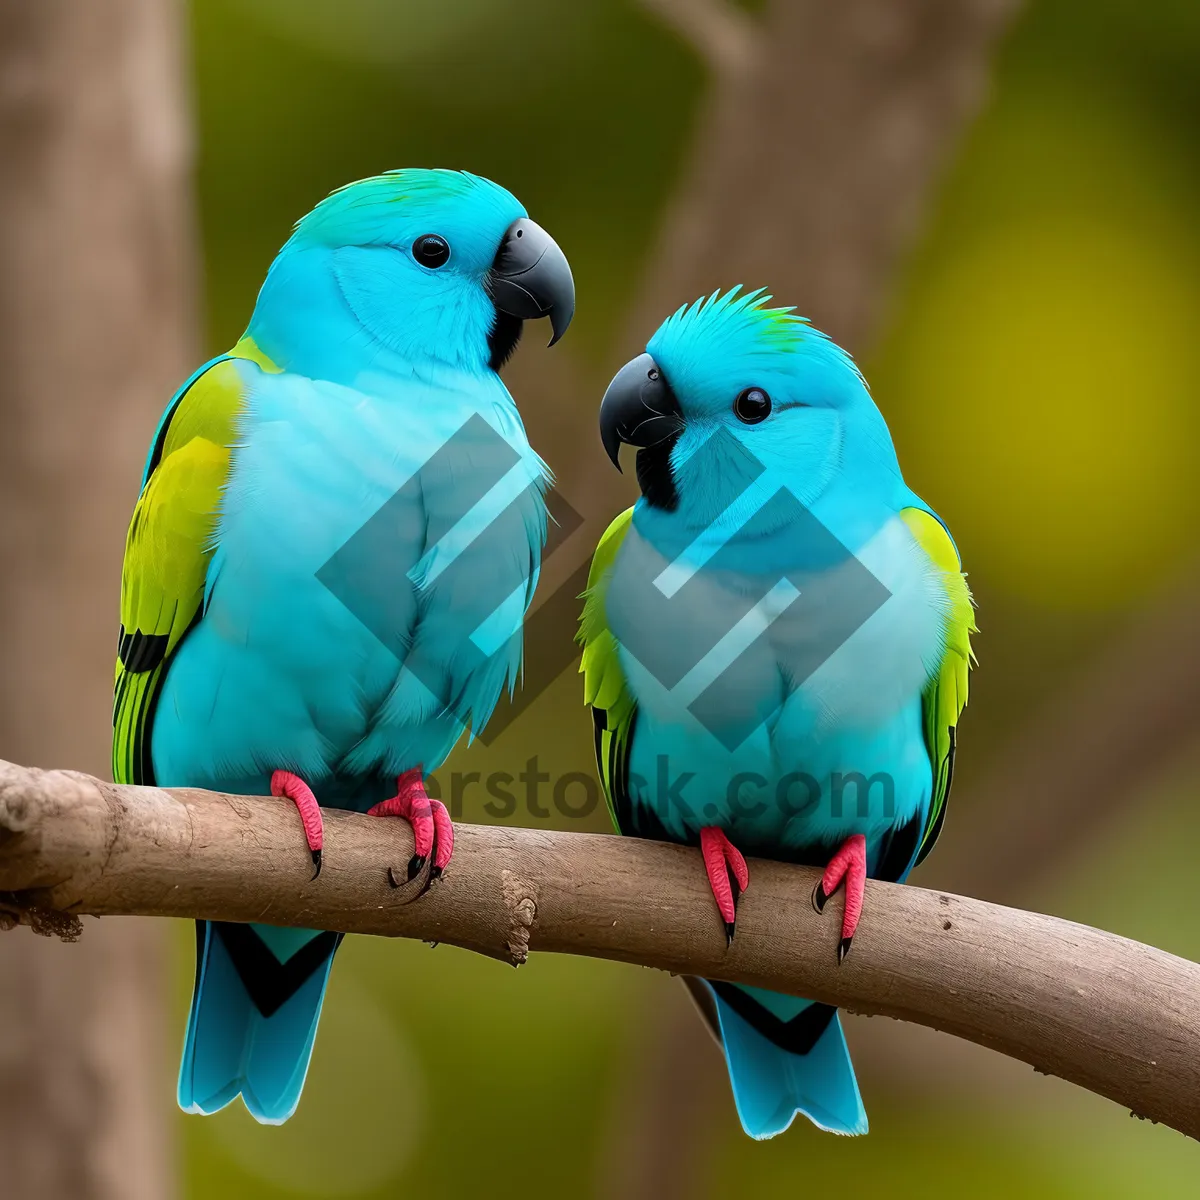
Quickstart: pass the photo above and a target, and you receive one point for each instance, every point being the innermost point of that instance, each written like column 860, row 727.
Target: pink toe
column 422, row 827
column 712, row 846
column 853, row 851
column 395, row 807
column 289, row 786
column 735, row 859
column 856, row 881
column 445, row 834
column 426, row 816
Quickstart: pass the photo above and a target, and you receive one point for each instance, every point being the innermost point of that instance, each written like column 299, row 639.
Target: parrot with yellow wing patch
column 338, row 534
column 776, row 641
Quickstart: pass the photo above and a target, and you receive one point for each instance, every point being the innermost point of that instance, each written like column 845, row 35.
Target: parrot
column 776, row 647
column 338, row 533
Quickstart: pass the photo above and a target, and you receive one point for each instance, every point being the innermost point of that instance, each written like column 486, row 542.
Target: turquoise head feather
column 410, row 269
column 761, row 390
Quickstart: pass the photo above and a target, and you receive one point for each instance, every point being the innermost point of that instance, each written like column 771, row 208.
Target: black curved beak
column 531, row 277
column 639, row 408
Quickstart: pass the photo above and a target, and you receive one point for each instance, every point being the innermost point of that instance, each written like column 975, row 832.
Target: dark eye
column 431, row 251
column 752, row 405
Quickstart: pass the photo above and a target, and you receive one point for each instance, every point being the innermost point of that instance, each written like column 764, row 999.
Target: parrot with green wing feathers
column 339, row 531
column 776, row 643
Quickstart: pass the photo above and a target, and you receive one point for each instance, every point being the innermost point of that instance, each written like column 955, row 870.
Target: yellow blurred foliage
column 1046, row 375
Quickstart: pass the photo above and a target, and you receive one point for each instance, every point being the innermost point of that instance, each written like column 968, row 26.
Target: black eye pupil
column 752, row 405
column 431, row 251
column 652, row 374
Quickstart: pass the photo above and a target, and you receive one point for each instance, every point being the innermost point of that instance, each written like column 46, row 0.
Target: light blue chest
column 789, row 725
column 320, row 598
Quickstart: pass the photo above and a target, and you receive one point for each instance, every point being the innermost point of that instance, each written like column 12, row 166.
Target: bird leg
column 433, row 831
column 848, row 865
column 720, row 858
column 284, row 783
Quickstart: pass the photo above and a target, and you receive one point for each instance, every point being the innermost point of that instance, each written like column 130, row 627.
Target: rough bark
column 1111, row 1015
column 94, row 334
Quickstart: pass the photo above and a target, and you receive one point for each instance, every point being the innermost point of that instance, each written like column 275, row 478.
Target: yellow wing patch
column 249, row 349
column 603, row 680
column 946, row 694
column 167, row 552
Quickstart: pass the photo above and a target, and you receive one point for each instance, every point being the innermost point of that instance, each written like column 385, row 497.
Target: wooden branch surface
column 1114, row 1016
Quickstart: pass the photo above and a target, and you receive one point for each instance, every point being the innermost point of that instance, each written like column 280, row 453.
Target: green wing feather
column 946, row 694
column 603, row 680
column 167, row 552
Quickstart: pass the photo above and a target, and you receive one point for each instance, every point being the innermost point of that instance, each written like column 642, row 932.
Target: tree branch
column 1114, row 1016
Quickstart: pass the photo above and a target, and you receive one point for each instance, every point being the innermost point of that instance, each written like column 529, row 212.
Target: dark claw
column 844, row 949
column 434, row 871
column 316, row 857
column 415, row 865
column 737, row 893
column 819, row 899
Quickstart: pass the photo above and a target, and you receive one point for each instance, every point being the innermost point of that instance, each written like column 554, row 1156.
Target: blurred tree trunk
column 823, row 133
column 95, row 331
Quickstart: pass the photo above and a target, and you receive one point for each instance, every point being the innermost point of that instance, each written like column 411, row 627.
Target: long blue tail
column 254, row 1017
column 771, row 1084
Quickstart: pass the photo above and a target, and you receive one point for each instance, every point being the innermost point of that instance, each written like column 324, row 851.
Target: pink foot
column 284, row 783
column 849, row 864
column 433, row 831
column 720, row 858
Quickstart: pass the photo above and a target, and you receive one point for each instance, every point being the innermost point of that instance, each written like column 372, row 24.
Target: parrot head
column 431, row 263
column 782, row 397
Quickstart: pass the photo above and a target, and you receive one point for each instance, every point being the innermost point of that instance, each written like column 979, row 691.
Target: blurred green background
column 1038, row 370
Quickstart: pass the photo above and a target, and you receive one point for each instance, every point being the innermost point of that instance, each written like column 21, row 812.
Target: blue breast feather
column 336, row 638
column 855, row 716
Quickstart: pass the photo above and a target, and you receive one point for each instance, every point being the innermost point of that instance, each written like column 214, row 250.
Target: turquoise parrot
column 339, row 531
column 776, row 642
